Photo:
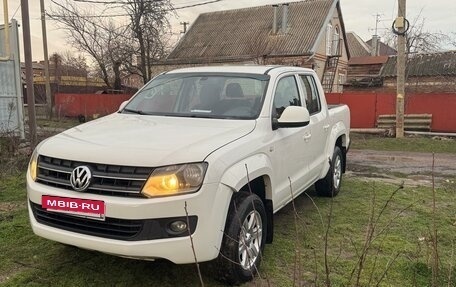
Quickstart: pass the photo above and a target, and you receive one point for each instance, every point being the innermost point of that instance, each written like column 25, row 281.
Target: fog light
column 178, row 226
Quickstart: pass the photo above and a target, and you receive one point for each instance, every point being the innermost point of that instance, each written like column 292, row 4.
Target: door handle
column 307, row 137
column 326, row 128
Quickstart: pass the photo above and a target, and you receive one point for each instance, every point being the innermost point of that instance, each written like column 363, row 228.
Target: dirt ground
column 412, row 168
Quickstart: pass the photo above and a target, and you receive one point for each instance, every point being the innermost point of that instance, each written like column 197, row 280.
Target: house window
column 335, row 42
column 342, row 81
column 328, row 39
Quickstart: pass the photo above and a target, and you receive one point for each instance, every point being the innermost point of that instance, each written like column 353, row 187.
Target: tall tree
column 452, row 40
column 99, row 37
column 116, row 48
column 148, row 24
column 74, row 65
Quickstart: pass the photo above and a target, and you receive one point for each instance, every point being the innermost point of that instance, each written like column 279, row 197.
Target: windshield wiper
column 134, row 111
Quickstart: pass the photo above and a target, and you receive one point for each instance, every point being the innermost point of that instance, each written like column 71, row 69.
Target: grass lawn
column 412, row 144
column 27, row 260
column 63, row 123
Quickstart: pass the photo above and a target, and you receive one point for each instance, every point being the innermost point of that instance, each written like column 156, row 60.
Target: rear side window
column 311, row 94
column 286, row 95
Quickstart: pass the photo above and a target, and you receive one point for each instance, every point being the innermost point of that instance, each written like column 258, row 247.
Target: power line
column 198, row 4
column 125, row 14
column 102, row 2
column 53, row 17
column 17, row 9
column 148, row 1
column 91, row 16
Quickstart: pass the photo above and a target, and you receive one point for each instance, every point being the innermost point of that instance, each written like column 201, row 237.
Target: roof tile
column 434, row 64
column 356, row 46
column 248, row 32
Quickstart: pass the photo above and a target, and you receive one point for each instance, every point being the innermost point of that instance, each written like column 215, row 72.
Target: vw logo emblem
column 80, row 178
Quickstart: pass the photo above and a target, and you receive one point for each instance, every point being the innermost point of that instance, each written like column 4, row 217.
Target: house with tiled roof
column 356, row 46
column 425, row 73
column 306, row 34
column 366, row 63
column 359, row 48
column 382, row 48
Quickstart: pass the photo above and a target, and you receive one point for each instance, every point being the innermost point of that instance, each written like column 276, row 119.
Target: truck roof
column 247, row 69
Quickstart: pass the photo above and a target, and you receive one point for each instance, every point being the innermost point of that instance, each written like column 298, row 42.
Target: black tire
column 233, row 265
column 329, row 186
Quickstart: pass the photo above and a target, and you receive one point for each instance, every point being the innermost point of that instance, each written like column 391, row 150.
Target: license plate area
column 94, row 209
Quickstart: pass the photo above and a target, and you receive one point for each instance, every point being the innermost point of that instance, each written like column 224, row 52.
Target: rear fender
column 339, row 129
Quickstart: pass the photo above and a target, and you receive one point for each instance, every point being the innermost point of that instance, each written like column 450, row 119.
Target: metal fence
column 11, row 106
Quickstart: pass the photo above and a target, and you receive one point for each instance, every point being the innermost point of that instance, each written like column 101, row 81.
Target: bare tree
column 118, row 49
column 148, row 23
column 97, row 36
column 452, row 40
column 73, row 65
column 156, row 50
column 56, row 64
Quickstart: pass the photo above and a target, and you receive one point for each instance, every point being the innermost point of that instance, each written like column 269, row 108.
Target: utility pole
column 46, row 61
column 401, row 61
column 29, row 72
column 185, row 24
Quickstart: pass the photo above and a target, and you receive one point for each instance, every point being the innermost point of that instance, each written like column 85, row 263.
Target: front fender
column 255, row 166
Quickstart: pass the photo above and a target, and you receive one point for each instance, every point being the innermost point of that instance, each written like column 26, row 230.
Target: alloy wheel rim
column 337, row 172
column 250, row 240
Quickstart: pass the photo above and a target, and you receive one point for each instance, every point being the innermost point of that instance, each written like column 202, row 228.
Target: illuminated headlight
column 175, row 179
column 33, row 165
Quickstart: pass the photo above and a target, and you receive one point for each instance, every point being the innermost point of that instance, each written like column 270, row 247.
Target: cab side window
column 286, row 95
column 311, row 94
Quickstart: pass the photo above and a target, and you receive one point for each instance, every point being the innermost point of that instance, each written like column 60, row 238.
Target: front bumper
column 209, row 206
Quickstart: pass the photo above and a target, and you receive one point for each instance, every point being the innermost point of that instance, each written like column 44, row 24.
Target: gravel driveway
column 393, row 166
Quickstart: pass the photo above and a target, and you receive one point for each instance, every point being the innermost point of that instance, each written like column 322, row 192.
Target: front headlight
column 175, row 179
column 33, row 165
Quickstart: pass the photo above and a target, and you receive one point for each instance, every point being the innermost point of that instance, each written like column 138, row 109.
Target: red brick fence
column 88, row 105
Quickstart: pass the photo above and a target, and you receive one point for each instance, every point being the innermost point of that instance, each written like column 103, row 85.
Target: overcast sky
column 359, row 16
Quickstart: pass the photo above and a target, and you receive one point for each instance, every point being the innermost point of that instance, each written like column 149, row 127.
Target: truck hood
column 138, row 140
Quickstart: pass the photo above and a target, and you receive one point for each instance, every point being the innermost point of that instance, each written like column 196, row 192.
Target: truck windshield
column 208, row 95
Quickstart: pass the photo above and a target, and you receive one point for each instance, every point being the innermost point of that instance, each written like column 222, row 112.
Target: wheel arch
column 253, row 175
column 338, row 137
column 341, row 142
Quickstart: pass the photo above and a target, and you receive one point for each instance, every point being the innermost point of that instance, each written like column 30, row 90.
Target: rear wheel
column 329, row 186
column 243, row 240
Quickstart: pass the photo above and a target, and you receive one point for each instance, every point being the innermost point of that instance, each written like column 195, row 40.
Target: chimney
column 274, row 23
column 374, row 46
column 284, row 18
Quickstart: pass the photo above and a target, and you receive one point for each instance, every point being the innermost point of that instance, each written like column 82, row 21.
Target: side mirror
column 122, row 106
column 294, row 117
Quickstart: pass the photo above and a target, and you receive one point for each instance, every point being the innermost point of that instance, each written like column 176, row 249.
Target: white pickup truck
column 206, row 152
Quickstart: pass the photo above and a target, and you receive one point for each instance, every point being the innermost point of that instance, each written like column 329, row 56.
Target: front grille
column 106, row 179
column 113, row 228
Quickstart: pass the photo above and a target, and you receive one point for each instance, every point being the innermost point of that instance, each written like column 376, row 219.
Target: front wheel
column 243, row 240
column 329, row 186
